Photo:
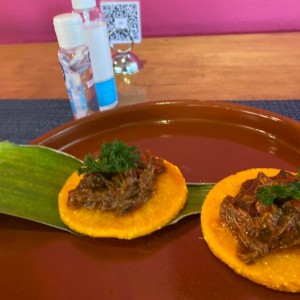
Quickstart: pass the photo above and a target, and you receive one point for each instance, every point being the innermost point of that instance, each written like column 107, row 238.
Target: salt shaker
column 74, row 59
column 96, row 37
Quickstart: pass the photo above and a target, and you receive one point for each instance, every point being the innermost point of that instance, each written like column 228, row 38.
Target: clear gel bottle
column 96, row 38
column 74, row 59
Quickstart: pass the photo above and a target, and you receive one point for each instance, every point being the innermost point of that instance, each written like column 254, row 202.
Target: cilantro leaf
column 115, row 157
column 268, row 194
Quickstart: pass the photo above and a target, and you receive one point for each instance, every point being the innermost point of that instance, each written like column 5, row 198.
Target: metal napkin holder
column 125, row 61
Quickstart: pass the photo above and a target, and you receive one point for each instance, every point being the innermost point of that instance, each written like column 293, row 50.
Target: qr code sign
column 123, row 15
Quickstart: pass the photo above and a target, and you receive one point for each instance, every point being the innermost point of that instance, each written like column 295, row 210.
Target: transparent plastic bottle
column 74, row 59
column 96, row 37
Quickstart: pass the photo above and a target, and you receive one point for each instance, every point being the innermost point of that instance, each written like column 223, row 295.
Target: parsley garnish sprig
column 115, row 157
column 268, row 194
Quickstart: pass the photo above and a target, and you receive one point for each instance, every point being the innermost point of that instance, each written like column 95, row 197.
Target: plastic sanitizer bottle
column 74, row 59
column 96, row 38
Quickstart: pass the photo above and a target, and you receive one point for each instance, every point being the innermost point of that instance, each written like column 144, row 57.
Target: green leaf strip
column 196, row 197
column 30, row 180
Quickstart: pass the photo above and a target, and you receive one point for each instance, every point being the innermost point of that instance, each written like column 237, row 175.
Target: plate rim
column 222, row 104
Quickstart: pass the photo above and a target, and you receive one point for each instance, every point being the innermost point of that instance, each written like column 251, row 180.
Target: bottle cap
column 68, row 29
column 83, row 4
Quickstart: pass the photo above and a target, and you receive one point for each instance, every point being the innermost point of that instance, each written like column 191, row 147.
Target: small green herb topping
column 268, row 194
column 115, row 157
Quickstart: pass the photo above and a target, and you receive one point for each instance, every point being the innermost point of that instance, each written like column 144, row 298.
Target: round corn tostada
column 169, row 197
column 279, row 270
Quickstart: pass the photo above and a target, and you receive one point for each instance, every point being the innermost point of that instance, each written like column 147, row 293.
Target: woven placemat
column 24, row 120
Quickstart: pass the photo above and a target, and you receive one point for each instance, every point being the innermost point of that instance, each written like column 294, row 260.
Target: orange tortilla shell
column 278, row 270
column 168, row 199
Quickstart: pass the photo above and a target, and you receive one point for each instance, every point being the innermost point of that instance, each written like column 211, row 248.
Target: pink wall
column 25, row 21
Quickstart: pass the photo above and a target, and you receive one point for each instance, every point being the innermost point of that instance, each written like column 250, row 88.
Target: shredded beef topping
column 261, row 228
column 119, row 193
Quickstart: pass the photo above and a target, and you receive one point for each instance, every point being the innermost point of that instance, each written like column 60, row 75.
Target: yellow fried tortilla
column 168, row 199
column 279, row 270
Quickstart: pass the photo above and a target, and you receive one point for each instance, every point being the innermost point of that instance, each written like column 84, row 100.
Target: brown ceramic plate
column 208, row 141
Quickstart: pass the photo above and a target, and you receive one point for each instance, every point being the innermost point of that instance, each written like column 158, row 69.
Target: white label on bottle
column 90, row 82
column 96, row 38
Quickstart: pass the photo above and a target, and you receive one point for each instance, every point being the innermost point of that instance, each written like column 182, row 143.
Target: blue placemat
column 23, row 120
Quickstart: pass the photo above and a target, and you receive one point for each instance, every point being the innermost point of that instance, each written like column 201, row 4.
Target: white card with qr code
column 126, row 15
